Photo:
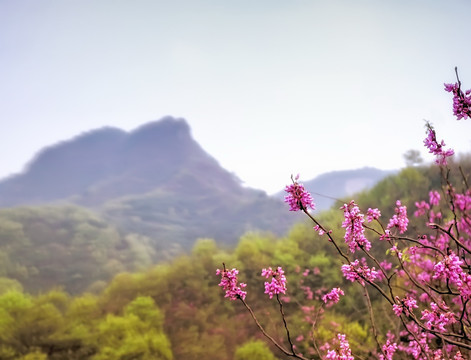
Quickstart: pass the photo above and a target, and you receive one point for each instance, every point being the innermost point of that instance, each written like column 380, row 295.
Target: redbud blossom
column 298, row 198
column 372, row 214
column 353, row 224
column 229, row 283
column 461, row 101
column 417, row 349
column 278, row 281
column 333, row 296
column 344, row 352
column 422, row 208
column 386, row 265
column 319, row 230
column 434, row 197
column 437, row 148
column 356, row 272
column 436, row 318
column 399, row 219
column 463, row 201
column 389, row 348
column 449, row 269
column 406, row 305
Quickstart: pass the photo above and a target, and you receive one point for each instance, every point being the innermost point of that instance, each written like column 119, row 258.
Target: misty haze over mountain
column 158, row 182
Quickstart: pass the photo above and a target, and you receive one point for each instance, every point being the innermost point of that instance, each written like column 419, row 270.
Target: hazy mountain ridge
column 155, row 180
column 108, row 163
column 150, row 193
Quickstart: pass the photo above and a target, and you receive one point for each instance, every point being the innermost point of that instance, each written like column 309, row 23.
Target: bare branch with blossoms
column 461, row 100
column 425, row 279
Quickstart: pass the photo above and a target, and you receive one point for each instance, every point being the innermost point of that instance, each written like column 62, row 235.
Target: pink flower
column 434, row 197
column 461, row 101
column 437, row 319
column 397, row 309
column 356, row 272
column 372, row 214
column 319, row 230
column 308, row 292
column 386, row 265
column 463, row 201
column 389, row 348
column 298, row 198
column 333, row 296
column 406, row 305
column 449, row 268
column 437, row 148
column 399, row 219
column 278, row 281
column 422, row 208
column 343, row 352
column 229, row 283
column 395, row 250
column 353, row 224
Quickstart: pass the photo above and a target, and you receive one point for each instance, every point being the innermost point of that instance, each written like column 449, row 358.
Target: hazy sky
column 269, row 87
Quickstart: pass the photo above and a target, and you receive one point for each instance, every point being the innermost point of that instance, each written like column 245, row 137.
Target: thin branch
column 370, row 310
column 288, row 336
column 274, row 342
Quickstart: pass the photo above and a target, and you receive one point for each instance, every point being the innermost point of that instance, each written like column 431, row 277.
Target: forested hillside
column 175, row 310
column 155, row 181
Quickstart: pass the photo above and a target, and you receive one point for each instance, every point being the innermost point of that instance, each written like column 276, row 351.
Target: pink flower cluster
column 422, row 208
column 353, row 224
column 434, row 197
column 359, row 272
column 298, row 198
column 372, row 214
column 229, row 283
column 461, row 101
column 437, row 319
column 425, row 208
column 278, row 281
column 406, row 305
column 344, row 352
column 333, row 296
column 449, row 270
column 389, row 348
column 399, row 219
column 436, row 148
column 463, row 201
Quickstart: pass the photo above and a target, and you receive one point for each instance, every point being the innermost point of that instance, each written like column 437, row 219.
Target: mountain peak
column 167, row 124
column 106, row 161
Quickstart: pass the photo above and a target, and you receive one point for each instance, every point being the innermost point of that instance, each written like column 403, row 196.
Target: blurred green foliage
column 68, row 246
column 175, row 310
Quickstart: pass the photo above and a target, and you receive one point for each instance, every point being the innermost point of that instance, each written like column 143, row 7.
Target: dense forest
column 74, row 287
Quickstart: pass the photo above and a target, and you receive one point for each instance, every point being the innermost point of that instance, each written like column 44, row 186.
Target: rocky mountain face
column 108, row 163
column 155, row 181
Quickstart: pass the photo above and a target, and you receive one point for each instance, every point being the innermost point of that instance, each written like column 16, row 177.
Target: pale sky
column 268, row 87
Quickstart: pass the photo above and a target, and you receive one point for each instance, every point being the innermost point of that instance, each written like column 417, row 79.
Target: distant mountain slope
column 155, row 180
column 67, row 246
column 327, row 187
column 107, row 163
